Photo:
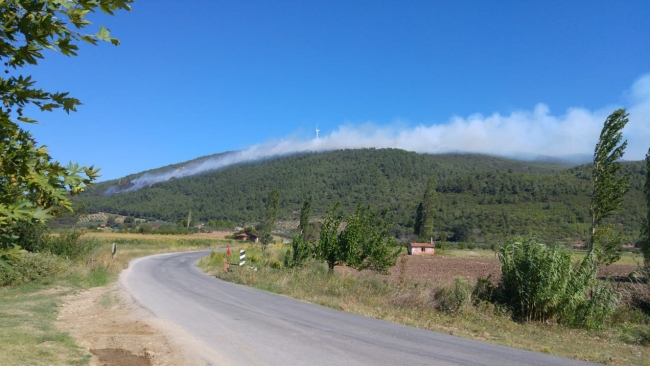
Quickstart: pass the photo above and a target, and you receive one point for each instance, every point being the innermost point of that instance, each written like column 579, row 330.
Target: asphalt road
column 251, row 327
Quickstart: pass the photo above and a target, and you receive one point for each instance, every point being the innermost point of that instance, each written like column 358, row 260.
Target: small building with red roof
column 422, row 248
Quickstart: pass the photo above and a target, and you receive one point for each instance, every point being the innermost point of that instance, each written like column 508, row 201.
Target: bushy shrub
column 484, row 289
column 252, row 257
column 274, row 263
column 540, row 283
column 31, row 267
column 29, row 235
column 68, row 244
column 145, row 229
column 299, row 253
column 455, row 299
column 216, row 257
column 636, row 336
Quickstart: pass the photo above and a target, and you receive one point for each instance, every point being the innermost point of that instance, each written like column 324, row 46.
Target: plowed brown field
column 442, row 270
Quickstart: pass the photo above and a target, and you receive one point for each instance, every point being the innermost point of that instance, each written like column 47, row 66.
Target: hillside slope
column 480, row 197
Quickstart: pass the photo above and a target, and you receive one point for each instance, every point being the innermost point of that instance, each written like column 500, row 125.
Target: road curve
column 252, row 327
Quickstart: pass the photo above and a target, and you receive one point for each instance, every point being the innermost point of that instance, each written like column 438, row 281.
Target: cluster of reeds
column 541, row 283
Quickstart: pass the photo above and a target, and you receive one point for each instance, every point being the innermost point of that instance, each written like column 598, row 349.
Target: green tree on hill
column 33, row 187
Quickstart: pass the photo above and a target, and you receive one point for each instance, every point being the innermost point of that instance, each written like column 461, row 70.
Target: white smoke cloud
column 521, row 134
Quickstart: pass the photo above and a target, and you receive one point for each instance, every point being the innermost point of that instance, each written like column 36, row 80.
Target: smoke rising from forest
column 521, row 134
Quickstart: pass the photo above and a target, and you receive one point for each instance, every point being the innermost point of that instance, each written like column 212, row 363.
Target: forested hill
column 481, row 198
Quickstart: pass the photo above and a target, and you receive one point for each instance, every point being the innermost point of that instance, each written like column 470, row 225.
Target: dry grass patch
column 27, row 334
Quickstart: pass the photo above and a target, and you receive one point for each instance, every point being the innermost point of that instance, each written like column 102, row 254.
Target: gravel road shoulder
column 108, row 323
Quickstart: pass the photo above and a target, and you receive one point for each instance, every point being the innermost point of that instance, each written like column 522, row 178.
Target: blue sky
column 200, row 77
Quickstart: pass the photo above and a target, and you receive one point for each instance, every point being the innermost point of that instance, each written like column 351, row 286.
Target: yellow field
column 113, row 235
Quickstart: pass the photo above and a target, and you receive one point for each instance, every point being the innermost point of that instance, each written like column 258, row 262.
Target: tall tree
column 33, row 187
column 426, row 210
column 272, row 205
column 645, row 235
column 328, row 248
column 301, row 247
column 608, row 188
column 352, row 239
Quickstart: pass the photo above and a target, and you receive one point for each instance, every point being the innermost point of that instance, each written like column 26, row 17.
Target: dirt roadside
column 111, row 326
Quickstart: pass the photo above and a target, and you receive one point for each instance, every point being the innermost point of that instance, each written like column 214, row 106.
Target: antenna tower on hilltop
column 317, row 131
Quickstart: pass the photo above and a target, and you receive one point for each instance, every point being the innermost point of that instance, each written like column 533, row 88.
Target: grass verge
column 418, row 304
column 27, row 333
column 28, row 312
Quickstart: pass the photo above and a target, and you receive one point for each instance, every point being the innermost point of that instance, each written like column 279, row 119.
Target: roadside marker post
column 242, row 257
column 114, row 250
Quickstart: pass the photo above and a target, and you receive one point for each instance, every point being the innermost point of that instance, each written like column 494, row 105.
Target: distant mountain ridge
column 209, row 163
column 487, row 196
column 569, row 160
